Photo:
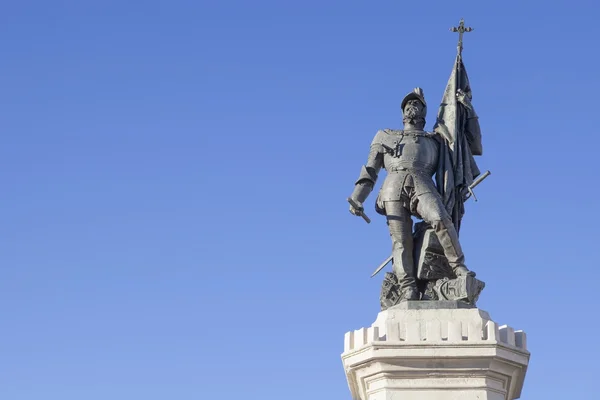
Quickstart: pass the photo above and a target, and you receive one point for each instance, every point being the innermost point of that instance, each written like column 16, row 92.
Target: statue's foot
column 410, row 294
column 463, row 271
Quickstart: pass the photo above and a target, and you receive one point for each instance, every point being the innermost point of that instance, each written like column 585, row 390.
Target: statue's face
column 413, row 109
column 414, row 112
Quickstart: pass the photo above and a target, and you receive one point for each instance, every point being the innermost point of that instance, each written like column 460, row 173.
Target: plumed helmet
column 418, row 94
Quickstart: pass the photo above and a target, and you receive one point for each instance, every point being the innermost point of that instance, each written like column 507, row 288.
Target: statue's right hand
column 357, row 210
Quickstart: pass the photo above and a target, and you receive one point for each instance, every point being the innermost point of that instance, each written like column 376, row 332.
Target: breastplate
column 411, row 152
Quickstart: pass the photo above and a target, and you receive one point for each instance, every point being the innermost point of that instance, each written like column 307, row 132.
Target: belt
column 411, row 169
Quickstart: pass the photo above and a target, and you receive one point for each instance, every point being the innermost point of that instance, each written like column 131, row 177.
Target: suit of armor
column 410, row 158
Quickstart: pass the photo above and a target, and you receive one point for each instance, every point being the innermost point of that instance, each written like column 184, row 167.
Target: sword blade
column 383, row 264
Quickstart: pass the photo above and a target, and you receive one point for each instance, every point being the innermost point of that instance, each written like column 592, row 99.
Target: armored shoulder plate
column 394, row 131
column 384, row 140
column 386, row 136
column 379, row 136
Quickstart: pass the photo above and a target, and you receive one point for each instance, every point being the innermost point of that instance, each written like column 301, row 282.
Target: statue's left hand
column 464, row 98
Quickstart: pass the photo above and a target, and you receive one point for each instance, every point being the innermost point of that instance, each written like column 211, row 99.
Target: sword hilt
column 359, row 210
column 476, row 182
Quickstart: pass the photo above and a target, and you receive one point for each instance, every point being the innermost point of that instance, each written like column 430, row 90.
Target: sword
column 471, row 187
column 357, row 208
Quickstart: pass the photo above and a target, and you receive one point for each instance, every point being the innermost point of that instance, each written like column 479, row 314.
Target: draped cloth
column 458, row 126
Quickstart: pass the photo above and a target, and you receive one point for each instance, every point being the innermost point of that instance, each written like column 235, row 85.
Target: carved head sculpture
column 414, row 107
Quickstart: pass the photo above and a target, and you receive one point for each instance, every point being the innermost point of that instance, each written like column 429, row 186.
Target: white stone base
column 435, row 354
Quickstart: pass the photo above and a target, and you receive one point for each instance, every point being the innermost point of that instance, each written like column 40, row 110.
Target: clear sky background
column 174, row 176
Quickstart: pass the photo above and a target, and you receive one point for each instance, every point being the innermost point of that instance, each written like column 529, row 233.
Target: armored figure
column 411, row 157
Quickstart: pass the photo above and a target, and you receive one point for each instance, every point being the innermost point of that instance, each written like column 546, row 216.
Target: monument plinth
column 434, row 350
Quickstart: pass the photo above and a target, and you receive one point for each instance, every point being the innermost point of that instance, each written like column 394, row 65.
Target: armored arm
column 368, row 173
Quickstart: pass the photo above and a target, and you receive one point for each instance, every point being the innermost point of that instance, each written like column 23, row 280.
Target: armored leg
column 432, row 210
column 400, row 224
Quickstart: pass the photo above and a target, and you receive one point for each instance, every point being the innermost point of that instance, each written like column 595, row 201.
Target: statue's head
column 414, row 108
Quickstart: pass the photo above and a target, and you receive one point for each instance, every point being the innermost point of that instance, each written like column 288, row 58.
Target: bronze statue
column 431, row 255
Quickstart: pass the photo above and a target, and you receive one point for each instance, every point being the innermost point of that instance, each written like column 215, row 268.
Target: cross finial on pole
column 461, row 29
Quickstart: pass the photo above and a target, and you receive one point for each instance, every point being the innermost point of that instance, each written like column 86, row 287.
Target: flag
column 458, row 125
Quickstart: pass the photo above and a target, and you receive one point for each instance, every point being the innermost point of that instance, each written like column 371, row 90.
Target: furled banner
column 458, row 124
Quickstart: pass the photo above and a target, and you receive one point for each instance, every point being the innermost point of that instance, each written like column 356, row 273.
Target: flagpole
column 458, row 198
column 461, row 29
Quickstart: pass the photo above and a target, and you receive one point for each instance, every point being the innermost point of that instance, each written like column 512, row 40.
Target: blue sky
column 174, row 176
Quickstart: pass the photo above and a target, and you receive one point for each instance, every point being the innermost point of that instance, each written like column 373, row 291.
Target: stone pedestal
column 435, row 350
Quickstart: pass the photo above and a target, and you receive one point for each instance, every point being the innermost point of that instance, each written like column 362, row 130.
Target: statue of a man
column 410, row 157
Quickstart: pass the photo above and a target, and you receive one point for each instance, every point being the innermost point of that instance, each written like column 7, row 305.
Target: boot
column 448, row 238
column 410, row 294
column 461, row 270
